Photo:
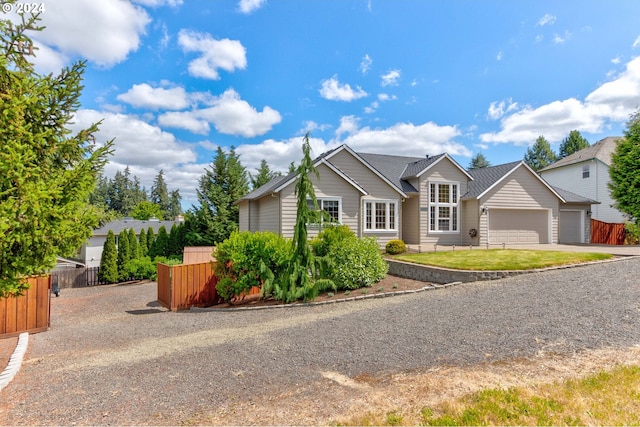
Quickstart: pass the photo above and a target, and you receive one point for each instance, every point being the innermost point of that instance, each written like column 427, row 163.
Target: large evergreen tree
column 264, row 174
column 574, row 142
column 222, row 184
column 540, row 155
column 159, row 193
column 479, row 161
column 46, row 172
column 160, row 245
column 625, row 171
column 175, row 205
column 109, row 261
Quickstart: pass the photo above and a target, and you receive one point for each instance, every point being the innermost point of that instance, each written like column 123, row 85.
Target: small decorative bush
column 332, row 235
column 247, row 259
column 395, row 247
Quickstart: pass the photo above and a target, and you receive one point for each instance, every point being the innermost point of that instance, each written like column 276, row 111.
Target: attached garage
column 519, row 226
column 571, row 226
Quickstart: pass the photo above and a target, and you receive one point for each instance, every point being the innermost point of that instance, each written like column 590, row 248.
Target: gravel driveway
column 113, row 356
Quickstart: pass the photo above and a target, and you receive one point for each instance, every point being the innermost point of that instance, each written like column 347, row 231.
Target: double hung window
column 443, row 206
column 381, row 215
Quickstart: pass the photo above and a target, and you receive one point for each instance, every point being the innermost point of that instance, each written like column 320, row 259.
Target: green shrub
column 331, row 236
column 632, row 233
column 355, row 263
column 141, row 268
column 248, row 259
column 395, row 247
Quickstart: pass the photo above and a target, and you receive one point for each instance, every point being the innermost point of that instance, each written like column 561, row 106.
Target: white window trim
column 395, row 217
column 320, row 201
column 455, row 205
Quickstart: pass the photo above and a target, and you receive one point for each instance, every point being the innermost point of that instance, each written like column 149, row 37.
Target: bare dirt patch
column 367, row 399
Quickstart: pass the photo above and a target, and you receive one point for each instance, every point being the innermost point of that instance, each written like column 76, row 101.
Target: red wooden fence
column 181, row 287
column 29, row 312
column 607, row 233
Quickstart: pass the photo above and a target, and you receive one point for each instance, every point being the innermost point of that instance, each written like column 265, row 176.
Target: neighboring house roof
column 601, row 150
column 118, row 226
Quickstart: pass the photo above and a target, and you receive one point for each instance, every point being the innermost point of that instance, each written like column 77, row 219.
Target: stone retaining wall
column 426, row 273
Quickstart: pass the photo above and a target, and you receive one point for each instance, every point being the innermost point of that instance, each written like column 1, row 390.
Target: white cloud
column 390, row 79
column 101, row 31
column 404, row 139
column 228, row 113
column 636, row 43
column 249, row 6
column 333, row 90
column 310, row 126
column 184, row 120
column 225, row 54
column 538, row 38
column 547, row 19
column 365, row 64
column 143, row 95
column 499, row 56
column 145, row 149
column 348, row 124
column 279, row 154
column 613, row 101
column 559, row 39
column 386, row 97
column 616, row 60
column 498, row 109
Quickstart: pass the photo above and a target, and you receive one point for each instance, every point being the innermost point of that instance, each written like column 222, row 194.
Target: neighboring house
column 586, row 172
column 424, row 201
column 91, row 251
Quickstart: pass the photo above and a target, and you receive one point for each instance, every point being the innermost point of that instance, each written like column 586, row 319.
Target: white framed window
column 332, row 206
column 585, row 171
column 381, row 215
column 444, row 207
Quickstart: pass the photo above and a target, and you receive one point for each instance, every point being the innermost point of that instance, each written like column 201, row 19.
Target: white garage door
column 518, row 226
column 570, row 227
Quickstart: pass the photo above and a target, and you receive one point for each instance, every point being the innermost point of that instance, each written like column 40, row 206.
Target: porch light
column 485, row 209
column 589, row 212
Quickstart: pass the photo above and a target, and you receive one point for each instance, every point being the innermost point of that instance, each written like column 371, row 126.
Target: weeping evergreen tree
column 109, row 261
column 133, row 244
column 297, row 281
column 124, row 254
column 142, row 243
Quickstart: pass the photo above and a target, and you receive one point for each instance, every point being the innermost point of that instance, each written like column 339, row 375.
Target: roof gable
column 486, row 179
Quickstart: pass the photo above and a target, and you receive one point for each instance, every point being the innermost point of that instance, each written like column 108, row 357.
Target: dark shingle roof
column 484, row 178
column 570, row 197
column 120, row 225
column 267, row 188
column 392, row 168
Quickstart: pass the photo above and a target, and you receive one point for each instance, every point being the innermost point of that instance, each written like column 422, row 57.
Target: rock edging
column 15, row 362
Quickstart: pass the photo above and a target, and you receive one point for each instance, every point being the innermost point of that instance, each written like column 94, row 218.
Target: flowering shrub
column 247, row 259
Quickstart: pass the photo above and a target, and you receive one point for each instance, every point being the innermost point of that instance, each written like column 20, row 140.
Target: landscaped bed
column 500, row 259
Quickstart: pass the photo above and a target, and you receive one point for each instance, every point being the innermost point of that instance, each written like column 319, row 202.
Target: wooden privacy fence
column 181, row 287
column 29, row 312
column 77, row 277
column 607, row 233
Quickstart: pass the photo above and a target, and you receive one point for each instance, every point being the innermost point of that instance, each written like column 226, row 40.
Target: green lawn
column 500, row 259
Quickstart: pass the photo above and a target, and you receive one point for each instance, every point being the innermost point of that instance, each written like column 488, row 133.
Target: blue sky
column 172, row 80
